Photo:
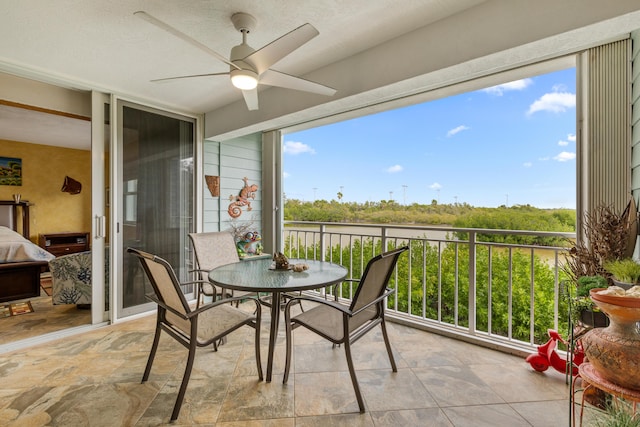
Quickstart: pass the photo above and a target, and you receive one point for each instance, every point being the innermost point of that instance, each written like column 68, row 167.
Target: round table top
column 259, row 276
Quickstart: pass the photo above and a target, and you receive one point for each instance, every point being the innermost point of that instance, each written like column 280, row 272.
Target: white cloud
column 570, row 138
column 457, row 130
column 555, row 102
column 295, row 148
column 515, row 85
column 395, row 169
column 565, row 156
column 435, row 186
column 527, row 164
column 543, row 159
column 286, row 175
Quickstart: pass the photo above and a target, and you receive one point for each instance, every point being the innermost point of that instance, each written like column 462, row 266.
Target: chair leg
column 152, row 353
column 287, row 365
column 352, row 372
column 257, row 345
column 185, row 380
column 388, row 345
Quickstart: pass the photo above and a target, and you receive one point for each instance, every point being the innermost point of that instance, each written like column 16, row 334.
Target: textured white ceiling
column 19, row 124
column 101, row 44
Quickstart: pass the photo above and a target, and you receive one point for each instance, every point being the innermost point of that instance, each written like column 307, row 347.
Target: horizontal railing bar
column 430, row 293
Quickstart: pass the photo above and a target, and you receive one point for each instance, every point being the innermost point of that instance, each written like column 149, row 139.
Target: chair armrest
column 223, row 301
column 333, row 304
column 199, row 310
column 375, row 301
column 193, row 282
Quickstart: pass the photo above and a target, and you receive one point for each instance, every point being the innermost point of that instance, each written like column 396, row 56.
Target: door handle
column 101, row 229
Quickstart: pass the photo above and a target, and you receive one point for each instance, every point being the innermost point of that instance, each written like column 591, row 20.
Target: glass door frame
column 117, row 312
column 100, row 137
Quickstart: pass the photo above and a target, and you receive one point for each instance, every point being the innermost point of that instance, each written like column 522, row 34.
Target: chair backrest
column 375, row 277
column 166, row 287
column 214, row 249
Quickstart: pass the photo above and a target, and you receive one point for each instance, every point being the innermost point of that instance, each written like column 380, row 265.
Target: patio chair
column 213, row 250
column 191, row 328
column 343, row 324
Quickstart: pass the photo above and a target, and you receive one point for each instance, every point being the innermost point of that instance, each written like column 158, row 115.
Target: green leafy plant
column 618, row 414
column 581, row 301
column 586, row 283
column 624, row 270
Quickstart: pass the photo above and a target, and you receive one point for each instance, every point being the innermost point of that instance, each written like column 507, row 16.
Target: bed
column 21, row 261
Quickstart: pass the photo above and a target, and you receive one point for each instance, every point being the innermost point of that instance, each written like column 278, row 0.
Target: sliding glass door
column 155, row 196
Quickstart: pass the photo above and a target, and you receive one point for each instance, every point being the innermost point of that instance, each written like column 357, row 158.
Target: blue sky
column 510, row 144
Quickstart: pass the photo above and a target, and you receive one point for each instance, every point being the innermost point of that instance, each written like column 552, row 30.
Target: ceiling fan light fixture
column 244, row 79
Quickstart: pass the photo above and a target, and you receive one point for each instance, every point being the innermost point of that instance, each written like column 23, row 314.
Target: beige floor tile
column 544, row 414
column 342, row 420
column 431, row 417
column 385, row 390
column 249, row 399
column 520, row 383
column 324, row 393
column 456, row 385
column 93, row 379
column 485, row 416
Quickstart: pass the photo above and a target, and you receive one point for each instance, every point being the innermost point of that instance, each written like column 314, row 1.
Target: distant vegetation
column 519, row 217
column 435, row 277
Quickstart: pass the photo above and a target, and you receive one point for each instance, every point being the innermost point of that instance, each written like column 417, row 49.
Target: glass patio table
column 259, row 276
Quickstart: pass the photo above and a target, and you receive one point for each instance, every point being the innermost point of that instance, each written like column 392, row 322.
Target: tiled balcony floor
column 93, row 379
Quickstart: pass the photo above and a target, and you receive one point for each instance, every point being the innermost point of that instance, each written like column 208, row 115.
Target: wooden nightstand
column 64, row 243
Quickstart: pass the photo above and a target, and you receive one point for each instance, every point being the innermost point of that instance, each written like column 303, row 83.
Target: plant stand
column 591, row 379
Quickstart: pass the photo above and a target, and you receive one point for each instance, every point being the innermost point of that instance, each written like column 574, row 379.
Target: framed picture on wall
column 10, row 171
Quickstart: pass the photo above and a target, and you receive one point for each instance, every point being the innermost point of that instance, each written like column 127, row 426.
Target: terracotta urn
column 614, row 351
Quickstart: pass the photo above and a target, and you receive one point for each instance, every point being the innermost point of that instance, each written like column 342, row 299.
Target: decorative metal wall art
column 213, row 184
column 237, row 202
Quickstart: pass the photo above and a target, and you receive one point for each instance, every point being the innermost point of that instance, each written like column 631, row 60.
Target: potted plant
column 617, row 413
column 582, row 308
column 607, row 235
column 625, row 272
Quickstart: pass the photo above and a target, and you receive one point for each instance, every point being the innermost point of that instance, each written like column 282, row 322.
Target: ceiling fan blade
column 276, row 78
column 188, row 77
column 268, row 55
column 168, row 28
column 251, row 98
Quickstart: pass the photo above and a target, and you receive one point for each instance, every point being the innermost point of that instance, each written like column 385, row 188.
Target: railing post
column 385, row 238
column 323, row 237
column 472, row 282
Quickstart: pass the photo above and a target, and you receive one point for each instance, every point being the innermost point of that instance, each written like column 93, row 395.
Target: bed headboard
column 6, row 216
column 13, row 214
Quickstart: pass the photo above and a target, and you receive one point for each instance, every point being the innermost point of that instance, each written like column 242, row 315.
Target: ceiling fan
column 249, row 67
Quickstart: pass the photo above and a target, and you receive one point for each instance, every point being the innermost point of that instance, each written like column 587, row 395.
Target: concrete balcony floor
column 93, row 379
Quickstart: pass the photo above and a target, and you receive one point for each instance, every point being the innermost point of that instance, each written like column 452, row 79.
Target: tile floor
column 93, row 379
column 46, row 318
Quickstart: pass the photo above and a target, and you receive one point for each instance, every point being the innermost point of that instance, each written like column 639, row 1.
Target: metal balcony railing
column 498, row 288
